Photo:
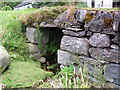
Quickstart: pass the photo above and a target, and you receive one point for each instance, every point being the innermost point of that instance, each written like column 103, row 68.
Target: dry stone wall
column 94, row 43
column 92, row 38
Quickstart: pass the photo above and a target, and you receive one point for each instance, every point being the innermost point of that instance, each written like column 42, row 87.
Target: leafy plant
column 6, row 8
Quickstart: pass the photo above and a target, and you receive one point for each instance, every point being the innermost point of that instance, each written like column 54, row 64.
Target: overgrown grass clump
column 46, row 14
column 24, row 74
column 23, row 71
column 12, row 32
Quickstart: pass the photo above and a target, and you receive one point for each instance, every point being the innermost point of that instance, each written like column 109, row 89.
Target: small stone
column 72, row 33
column 33, row 48
column 42, row 24
column 49, row 25
column 113, row 46
column 75, row 45
column 116, row 40
column 62, row 66
column 99, row 40
column 42, row 60
column 89, row 33
column 74, row 29
column 36, row 56
column 80, row 15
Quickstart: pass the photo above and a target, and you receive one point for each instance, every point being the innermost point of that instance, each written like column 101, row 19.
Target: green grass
column 24, row 74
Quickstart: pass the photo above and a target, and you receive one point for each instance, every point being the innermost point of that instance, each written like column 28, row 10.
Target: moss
column 108, row 22
column 24, row 74
column 89, row 17
column 42, row 15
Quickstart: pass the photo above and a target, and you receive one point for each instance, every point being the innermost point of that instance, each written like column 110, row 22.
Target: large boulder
column 99, row 40
column 4, row 59
column 75, row 45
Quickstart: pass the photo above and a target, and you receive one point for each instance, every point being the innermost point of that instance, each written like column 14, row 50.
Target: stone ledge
column 72, row 33
column 74, row 29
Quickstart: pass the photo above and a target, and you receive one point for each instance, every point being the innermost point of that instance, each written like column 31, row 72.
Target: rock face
column 112, row 73
column 4, row 59
column 75, row 45
column 99, row 40
column 31, row 34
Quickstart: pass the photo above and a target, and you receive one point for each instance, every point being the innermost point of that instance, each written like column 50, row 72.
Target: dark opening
column 116, row 4
column 52, row 45
column 93, row 3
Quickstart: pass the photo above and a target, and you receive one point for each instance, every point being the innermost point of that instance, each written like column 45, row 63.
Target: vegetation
column 68, row 78
column 24, row 74
column 42, row 15
column 21, row 72
column 9, row 4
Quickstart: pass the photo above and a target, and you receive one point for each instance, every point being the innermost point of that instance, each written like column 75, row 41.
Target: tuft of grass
column 24, row 74
column 43, row 14
column 12, row 34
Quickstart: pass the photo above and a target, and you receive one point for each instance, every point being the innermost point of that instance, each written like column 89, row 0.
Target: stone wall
column 93, row 40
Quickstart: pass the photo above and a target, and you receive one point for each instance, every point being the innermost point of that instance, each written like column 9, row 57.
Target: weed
column 24, row 74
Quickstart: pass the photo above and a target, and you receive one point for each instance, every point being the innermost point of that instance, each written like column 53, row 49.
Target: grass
column 24, row 74
column 43, row 14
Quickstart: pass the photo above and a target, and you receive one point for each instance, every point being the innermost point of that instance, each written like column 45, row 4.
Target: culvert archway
column 43, row 44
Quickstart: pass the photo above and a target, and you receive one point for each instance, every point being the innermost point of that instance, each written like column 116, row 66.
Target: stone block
column 65, row 58
column 75, row 45
column 112, row 73
column 110, row 55
column 99, row 40
column 31, row 34
column 33, row 48
column 72, row 33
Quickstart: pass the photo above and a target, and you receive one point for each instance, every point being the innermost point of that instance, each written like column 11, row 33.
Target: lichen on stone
column 88, row 17
column 108, row 22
